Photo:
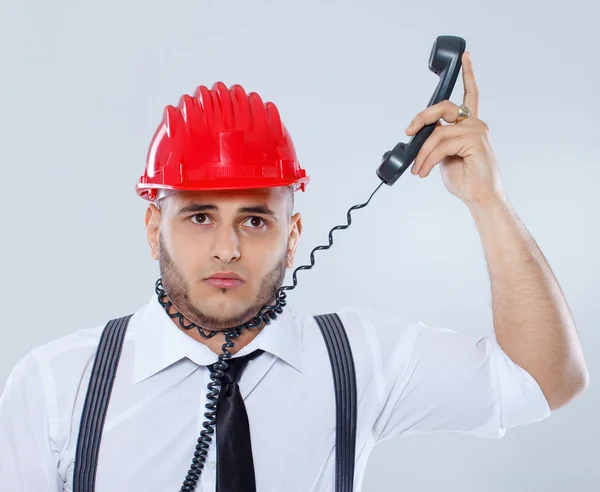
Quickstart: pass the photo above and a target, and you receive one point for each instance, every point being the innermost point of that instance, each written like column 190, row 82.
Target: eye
column 255, row 222
column 200, row 222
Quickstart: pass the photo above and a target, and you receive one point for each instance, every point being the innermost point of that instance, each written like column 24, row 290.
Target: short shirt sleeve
column 437, row 379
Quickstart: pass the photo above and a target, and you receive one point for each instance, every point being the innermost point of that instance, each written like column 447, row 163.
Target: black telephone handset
column 445, row 61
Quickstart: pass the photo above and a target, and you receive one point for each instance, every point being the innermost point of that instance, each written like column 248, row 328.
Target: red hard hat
column 220, row 139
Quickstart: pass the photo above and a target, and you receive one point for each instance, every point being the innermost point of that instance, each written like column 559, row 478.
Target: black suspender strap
column 344, row 376
column 105, row 369
column 96, row 404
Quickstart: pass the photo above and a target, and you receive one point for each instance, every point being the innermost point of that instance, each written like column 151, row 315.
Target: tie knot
column 236, row 366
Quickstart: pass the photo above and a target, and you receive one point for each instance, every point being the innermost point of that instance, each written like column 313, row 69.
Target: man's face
column 199, row 235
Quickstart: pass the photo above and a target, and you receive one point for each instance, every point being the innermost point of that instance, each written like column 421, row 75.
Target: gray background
column 82, row 90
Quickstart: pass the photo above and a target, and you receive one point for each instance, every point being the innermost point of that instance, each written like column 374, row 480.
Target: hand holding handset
column 445, row 61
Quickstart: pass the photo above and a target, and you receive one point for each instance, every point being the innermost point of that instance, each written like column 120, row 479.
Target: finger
column 471, row 97
column 446, row 148
column 446, row 110
column 440, row 134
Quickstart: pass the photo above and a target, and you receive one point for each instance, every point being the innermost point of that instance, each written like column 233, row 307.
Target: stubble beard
column 178, row 290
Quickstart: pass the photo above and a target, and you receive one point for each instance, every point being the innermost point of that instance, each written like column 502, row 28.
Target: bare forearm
column 532, row 321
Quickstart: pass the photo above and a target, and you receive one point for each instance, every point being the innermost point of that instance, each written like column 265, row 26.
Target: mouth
column 224, row 280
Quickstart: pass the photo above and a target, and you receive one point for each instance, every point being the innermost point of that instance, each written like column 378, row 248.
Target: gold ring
column 463, row 113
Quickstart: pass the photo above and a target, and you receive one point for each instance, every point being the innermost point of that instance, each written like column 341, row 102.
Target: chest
column 151, row 429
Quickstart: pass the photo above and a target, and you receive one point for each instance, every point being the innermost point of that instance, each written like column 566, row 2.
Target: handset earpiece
column 445, row 61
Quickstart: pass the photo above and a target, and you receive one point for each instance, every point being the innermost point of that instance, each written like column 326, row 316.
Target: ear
column 152, row 220
column 294, row 238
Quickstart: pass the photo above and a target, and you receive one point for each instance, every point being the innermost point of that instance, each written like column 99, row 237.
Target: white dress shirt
column 411, row 378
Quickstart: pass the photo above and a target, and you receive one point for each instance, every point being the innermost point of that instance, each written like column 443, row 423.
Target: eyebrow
column 262, row 209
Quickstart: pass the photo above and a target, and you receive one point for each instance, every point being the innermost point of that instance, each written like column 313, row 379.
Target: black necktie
column 235, row 467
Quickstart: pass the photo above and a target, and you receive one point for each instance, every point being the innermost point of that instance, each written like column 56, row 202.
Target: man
column 220, row 178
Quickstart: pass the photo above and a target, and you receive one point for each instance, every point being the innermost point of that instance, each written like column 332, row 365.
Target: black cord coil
column 266, row 314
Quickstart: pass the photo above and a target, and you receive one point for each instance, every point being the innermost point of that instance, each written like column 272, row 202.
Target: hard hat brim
column 149, row 190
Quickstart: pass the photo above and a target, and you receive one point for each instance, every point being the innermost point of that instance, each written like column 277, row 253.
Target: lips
column 224, row 280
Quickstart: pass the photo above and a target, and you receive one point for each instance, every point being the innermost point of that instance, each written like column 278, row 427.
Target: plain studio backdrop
column 83, row 88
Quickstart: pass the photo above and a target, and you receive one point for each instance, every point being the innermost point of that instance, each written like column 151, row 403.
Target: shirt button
column 213, row 465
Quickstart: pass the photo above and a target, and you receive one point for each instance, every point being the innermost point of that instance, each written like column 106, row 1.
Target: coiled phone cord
column 266, row 315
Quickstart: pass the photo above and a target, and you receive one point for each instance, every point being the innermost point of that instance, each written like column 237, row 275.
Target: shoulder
column 70, row 351
column 40, row 362
column 381, row 332
column 379, row 324
column 81, row 341
column 63, row 359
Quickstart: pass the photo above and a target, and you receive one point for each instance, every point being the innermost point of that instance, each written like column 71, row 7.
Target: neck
column 216, row 342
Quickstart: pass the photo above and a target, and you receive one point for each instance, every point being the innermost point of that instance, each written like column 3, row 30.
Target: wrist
column 496, row 203
column 488, row 214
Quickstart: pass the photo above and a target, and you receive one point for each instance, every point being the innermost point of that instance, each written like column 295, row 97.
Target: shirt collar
column 160, row 343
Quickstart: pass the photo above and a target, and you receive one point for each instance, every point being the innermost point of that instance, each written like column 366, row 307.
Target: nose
column 226, row 245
